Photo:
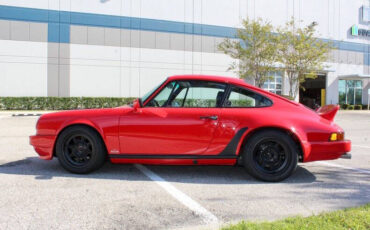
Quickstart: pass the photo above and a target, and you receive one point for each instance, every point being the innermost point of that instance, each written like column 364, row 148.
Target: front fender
column 86, row 122
column 110, row 137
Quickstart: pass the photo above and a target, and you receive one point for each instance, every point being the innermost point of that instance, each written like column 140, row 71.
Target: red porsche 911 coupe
column 195, row 120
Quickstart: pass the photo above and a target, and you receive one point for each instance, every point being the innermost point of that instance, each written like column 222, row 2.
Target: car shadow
column 46, row 170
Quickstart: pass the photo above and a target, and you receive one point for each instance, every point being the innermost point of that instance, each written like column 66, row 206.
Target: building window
column 350, row 92
column 274, row 85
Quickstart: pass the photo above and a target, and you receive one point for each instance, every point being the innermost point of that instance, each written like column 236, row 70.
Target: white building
column 122, row 48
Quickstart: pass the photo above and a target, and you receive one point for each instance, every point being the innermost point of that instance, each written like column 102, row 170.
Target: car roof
column 227, row 80
column 209, row 78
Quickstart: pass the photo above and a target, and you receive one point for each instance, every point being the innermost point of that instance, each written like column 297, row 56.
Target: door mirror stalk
column 137, row 104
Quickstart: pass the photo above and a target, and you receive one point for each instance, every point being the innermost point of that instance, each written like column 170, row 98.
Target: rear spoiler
column 328, row 111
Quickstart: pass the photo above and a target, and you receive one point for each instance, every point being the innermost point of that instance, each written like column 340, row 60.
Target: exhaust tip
column 346, row 156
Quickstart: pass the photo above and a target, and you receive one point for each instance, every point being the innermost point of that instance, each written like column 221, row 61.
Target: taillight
column 336, row 137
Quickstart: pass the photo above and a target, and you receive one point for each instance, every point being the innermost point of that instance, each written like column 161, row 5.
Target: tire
column 270, row 156
column 80, row 150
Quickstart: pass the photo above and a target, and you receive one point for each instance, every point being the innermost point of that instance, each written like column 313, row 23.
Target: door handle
column 209, row 117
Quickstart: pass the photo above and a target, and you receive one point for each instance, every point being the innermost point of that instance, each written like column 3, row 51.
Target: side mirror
column 137, row 104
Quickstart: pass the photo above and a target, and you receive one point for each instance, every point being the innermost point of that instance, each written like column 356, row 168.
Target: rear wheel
column 80, row 150
column 270, row 156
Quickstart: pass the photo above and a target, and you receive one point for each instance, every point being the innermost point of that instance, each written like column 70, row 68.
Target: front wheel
column 80, row 149
column 270, row 156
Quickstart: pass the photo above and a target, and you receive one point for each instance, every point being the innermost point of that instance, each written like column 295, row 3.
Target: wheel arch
column 293, row 135
column 89, row 125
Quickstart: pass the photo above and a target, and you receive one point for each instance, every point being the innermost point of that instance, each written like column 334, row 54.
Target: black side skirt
column 172, row 156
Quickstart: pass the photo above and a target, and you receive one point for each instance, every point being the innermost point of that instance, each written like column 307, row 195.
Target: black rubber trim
column 230, row 149
column 172, row 156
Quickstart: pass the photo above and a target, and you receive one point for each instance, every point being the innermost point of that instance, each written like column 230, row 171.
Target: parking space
column 37, row 194
column 357, row 128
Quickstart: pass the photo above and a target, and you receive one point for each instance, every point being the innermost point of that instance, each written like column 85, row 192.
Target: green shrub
column 350, row 107
column 60, row 103
column 344, row 106
column 288, row 97
column 364, row 107
column 358, row 107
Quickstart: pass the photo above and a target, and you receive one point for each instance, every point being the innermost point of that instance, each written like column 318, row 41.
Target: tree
column 254, row 51
column 301, row 55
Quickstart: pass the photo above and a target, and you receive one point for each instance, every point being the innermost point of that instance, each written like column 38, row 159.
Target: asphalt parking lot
column 37, row 194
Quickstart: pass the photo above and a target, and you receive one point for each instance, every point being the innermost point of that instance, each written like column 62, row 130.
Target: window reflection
column 350, row 92
column 274, row 84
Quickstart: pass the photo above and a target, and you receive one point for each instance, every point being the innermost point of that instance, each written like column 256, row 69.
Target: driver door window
column 190, row 94
column 162, row 97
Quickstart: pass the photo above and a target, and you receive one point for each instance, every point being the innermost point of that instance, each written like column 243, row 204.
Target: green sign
column 354, row 30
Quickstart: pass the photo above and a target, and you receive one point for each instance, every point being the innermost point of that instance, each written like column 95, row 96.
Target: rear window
column 244, row 98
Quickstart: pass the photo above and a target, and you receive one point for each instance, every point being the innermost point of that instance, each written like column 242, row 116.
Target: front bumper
column 43, row 145
column 318, row 151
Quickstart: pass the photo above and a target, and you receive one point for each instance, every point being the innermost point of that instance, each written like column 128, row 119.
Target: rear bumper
column 317, row 151
column 43, row 145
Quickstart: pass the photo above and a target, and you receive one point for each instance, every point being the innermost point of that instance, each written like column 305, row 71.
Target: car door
column 180, row 119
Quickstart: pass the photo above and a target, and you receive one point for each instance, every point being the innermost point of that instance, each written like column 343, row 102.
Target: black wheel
column 270, row 156
column 80, row 150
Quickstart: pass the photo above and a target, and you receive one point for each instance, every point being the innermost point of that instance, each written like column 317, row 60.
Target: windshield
column 147, row 95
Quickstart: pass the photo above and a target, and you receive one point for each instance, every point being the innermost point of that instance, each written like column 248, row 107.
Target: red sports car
column 195, row 120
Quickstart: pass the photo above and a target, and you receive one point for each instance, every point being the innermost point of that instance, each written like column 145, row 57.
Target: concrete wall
column 334, row 17
column 23, row 58
column 365, row 95
column 123, row 48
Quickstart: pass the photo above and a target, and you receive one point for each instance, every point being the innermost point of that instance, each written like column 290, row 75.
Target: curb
column 26, row 114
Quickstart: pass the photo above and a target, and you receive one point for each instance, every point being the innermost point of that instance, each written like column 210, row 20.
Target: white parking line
column 207, row 217
column 361, row 146
column 344, row 167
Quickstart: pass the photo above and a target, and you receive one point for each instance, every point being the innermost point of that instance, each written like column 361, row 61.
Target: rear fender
column 298, row 136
